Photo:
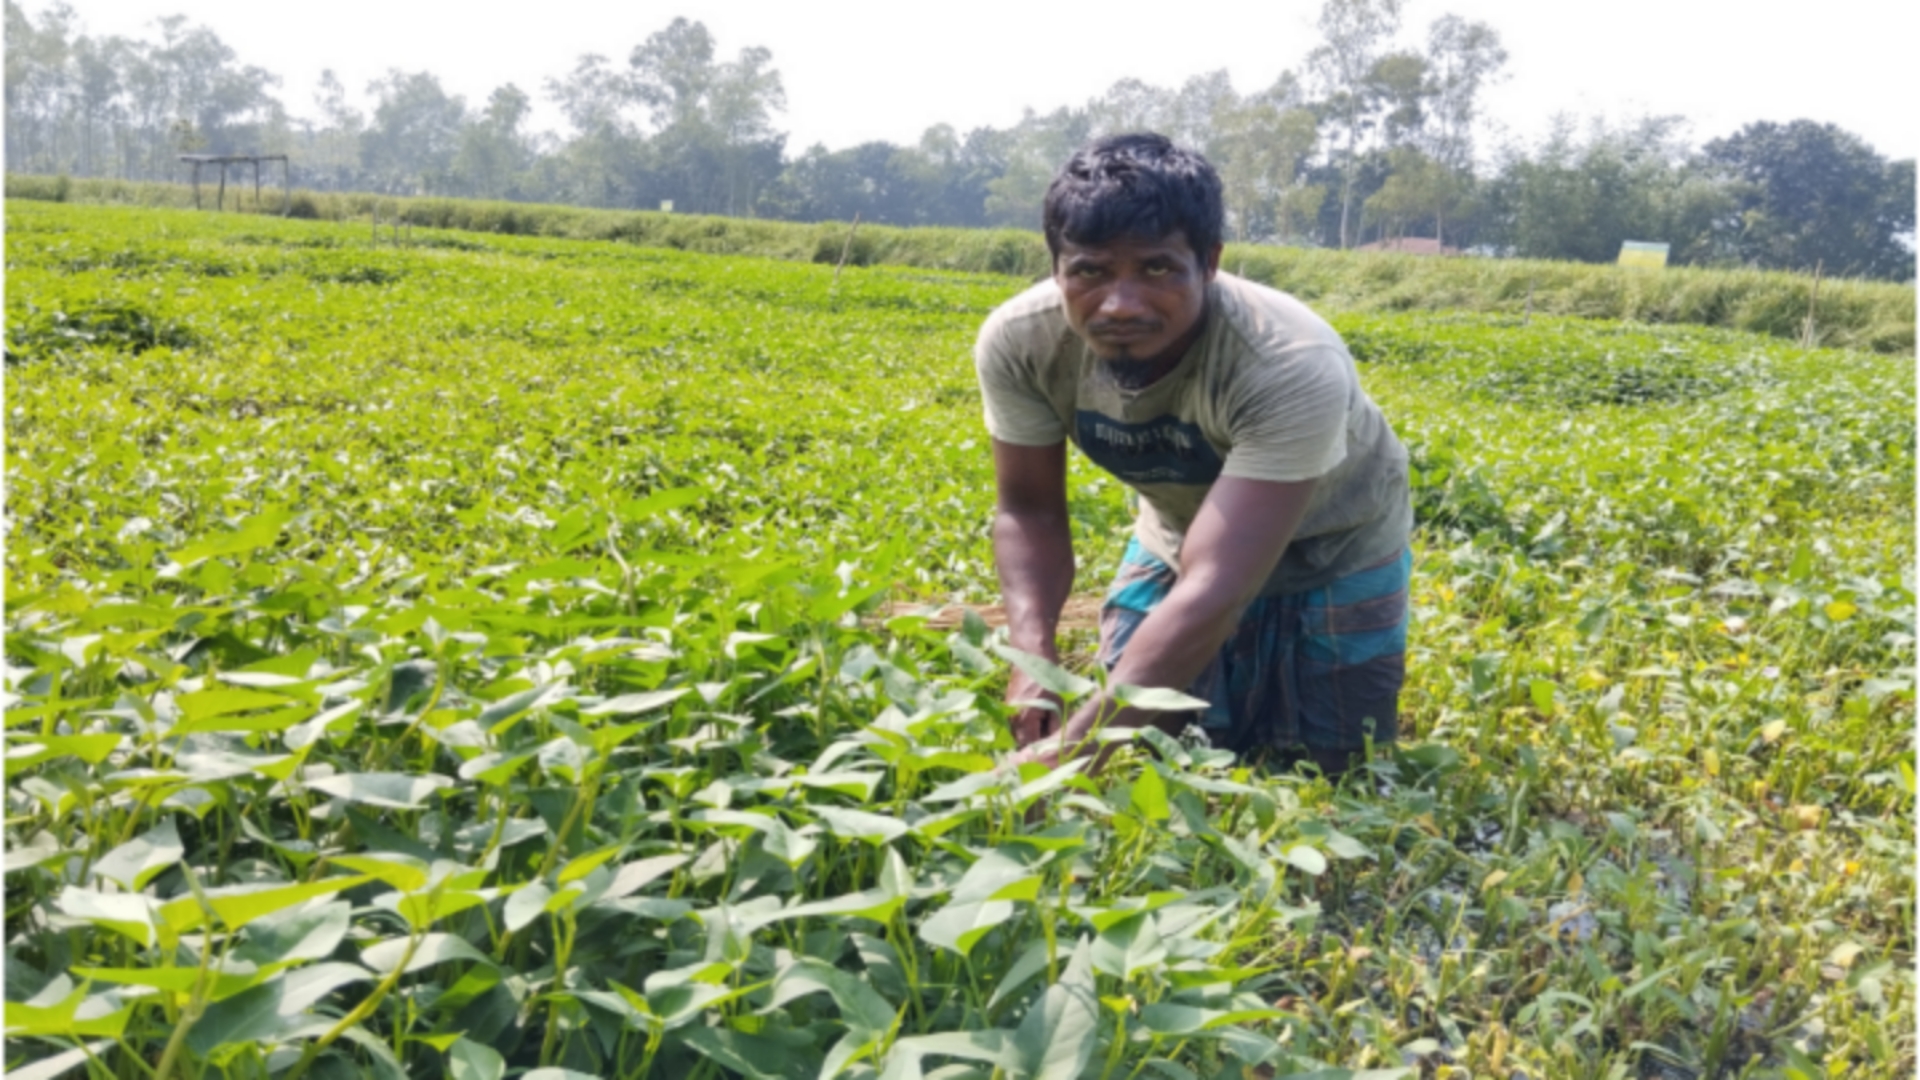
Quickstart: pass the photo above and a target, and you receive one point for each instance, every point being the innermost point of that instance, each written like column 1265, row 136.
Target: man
column 1268, row 571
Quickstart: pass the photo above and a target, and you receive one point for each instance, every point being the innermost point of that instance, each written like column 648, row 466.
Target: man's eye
column 1158, row 269
column 1087, row 271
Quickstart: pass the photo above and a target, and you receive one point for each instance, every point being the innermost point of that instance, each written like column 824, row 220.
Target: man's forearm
column 1034, row 554
column 1179, row 638
column 1171, row 647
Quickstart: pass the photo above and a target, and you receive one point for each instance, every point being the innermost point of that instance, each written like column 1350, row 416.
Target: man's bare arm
column 1230, row 551
column 1033, row 551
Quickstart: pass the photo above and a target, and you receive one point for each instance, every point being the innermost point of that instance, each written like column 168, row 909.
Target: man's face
column 1135, row 299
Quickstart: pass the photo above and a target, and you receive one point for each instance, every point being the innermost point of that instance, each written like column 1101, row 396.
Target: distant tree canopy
column 1374, row 139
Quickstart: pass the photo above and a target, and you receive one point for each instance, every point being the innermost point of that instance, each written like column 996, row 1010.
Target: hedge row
column 1872, row 315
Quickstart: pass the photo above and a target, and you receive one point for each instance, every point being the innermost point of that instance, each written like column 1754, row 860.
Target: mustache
column 1125, row 326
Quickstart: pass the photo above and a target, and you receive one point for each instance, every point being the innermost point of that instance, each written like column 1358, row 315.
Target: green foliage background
column 464, row 654
column 1868, row 315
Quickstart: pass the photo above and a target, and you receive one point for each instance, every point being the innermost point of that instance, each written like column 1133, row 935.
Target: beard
column 1129, row 373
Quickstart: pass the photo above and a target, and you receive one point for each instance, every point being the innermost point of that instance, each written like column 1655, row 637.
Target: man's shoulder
column 1266, row 321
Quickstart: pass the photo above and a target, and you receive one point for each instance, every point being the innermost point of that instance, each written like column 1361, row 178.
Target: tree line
column 1372, row 140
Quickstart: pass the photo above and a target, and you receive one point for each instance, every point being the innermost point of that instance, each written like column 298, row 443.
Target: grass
column 1863, row 315
column 463, row 656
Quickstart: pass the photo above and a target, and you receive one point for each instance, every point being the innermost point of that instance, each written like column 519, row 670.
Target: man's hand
column 1033, row 722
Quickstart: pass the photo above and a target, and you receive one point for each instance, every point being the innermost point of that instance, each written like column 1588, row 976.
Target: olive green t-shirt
column 1267, row 392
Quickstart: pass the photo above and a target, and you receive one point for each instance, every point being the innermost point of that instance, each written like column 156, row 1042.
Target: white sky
column 856, row 70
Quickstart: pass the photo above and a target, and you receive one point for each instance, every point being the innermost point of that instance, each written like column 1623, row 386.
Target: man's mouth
column 1118, row 332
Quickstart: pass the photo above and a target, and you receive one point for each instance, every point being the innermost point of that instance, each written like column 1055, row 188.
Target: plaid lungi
column 1321, row 668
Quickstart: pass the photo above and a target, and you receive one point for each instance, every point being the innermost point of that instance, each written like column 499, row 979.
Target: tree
column 414, row 135
column 1262, row 145
column 1035, row 149
column 1579, row 199
column 1344, row 68
column 1463, row 58
column 1814, row 194
column 715, row 144
column 493, row 151
column 604, row 164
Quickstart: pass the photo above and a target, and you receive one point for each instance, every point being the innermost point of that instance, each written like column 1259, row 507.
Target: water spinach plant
column 473, row 658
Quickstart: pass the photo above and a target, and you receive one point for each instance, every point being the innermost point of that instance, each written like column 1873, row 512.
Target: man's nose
column 1125, row 299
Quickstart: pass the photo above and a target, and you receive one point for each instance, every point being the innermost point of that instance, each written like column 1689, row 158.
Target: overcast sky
column 856, row 71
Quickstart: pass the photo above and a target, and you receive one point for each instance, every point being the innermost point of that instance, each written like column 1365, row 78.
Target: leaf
column 660, row 502
column 1169, row 1018
column 180, row 979
column 1057, row 1038
column 991, row 1047
column 502, row 714
column 856, row 785
column 526, row 904
column 122, row 913
column 434, row 949
column 877, row 904
column 968, row 786
column 309, row 933
column 958, row 926
column 495, row 769
column 635, row 704
column 406, row 873
column 139, row 860
column 215, row 710
column 756, row 1057
column 469, row 1060
column 860, row 1005
column 64, row 1017
column 1306, row 858
column 859, row 825
column 582, row 865
column 250, row 1016
column 634, row 876
column 1150, row 795
column 1129, row 946
column 237, row 906
column 1045, row 673
column 326, row 723
column 997, row 875
column 398, row 791
column 59, row 1064
column 1155, row 699
column 1029, row 963
column 42, row 848
column 257, row 532
column 92, row 749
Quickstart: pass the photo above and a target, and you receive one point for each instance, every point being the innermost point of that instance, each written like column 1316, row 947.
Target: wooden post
column 256, row 184
column 196, row 185
column 221, row 202
column 286, row 178
column 845, row 248
column 1808, row 330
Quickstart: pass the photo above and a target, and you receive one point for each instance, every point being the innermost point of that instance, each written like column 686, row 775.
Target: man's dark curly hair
column 1134, row 185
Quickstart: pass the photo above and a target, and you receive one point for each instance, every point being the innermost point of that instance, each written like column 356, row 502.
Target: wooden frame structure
column 224, row 160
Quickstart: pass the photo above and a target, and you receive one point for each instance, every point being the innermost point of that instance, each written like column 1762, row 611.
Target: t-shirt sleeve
column 1017, row 411
column 1289, row 422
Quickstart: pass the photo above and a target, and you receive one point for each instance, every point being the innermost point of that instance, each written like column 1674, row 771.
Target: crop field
column 502, row 656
